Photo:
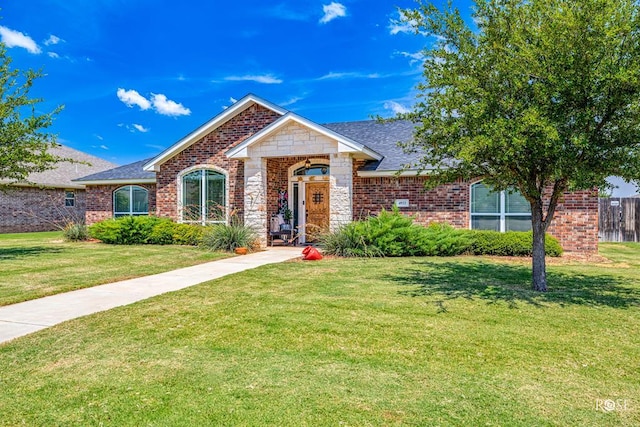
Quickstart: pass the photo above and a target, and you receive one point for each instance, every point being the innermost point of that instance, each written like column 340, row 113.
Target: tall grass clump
column 228, row 237
column 75, row 232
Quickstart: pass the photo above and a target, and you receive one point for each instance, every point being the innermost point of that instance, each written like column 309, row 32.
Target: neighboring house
column 49, row 199
column 255, row 159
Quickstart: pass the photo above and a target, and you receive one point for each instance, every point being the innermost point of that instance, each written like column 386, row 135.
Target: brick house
column 256, row 160
column 51, row 198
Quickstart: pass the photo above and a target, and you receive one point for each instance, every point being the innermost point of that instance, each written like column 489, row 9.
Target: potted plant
column 287, row 215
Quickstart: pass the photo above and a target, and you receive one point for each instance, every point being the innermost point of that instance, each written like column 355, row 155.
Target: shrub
column 511, row 243
column 348, row 241
column 388, row 234
column 162, row 233
column 223, row 237
column 132, row 230
column 394, row 234
column 108, row 231
column 75, row 232
column 442, row 239
column 187, row 234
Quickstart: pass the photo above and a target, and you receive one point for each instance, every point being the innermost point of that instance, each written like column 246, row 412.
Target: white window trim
column 502, row 215
column 130, row 212
column 72, row 198
column 179, row 192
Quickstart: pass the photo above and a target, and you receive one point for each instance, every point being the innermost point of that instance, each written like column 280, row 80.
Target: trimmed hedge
column 138, row 230
column 395, row 234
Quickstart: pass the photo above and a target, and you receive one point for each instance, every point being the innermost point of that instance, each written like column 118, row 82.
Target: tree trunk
column 539, row 268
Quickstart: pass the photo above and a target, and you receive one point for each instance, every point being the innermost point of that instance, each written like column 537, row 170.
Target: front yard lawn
column 348, row 342
column 33, row 265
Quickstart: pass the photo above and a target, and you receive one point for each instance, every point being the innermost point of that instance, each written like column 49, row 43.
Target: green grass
column 351, row 342
column 33, row 265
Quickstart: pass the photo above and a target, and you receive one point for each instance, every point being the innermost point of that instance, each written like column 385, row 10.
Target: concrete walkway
column 26, row 317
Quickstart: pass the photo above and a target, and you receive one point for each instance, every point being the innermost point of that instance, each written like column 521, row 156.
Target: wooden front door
column 317, row 209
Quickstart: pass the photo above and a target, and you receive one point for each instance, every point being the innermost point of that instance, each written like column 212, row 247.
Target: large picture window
column 130, row 200
column 204, row 197
column 499, row 210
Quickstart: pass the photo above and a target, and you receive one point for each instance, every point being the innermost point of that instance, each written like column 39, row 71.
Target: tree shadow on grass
column 28, row 251
column 511, row 284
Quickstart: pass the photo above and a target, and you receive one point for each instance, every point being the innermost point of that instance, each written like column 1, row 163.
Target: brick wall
column 25, row 209
column 575, row 222
column 447, row 203
column 100, row 201
column 210, row 151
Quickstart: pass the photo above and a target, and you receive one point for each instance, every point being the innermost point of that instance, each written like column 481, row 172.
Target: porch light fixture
column 307, row 164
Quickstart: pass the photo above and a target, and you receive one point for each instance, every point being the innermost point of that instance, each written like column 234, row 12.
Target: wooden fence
column 619, row 219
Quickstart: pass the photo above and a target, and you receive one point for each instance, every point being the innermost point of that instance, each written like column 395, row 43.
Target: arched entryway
column 309, row 185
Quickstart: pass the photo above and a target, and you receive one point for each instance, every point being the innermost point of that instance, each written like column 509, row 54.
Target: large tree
column 24, row 147
column 542, row 96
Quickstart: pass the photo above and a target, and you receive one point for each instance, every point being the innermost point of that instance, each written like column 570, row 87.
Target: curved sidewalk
column 26, row 317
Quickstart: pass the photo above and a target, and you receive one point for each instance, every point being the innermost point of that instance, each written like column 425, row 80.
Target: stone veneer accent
column 100, row 201
column 27, row 209
column 266, row 171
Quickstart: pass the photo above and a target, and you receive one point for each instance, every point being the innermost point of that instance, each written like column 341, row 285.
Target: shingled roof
column 132, row 172
column 64, row 174
column 382, row 137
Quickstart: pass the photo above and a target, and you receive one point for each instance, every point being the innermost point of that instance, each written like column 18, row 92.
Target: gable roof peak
column 227, row 114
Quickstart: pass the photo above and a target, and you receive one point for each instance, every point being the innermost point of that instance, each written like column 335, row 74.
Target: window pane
column 140, row 200
column 315, row 169
column 483, row 200
column 518, row 223
column 516, row 203
column 121, row 200
column 192, row 196
column 485, row 222
column 215, row 196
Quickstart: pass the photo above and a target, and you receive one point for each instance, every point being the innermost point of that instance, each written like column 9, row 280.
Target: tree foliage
column 538, row 95
column 24, row 147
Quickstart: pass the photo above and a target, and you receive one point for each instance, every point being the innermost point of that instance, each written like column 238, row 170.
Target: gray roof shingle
column 65, row 173
column 382, row 137
column 132, row 171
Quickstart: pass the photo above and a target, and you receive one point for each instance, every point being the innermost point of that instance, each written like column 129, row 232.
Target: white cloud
column 349, row 75
column 413, row 57
column 53, row 55
column 396, row 107
column 232, row 100
column 265, row 79
column 281, row 11
column 132, row 97
column 332, row 11
column 104, row 147
column 290, row 101
column 140, row 128
column 166, row 107
column 52, row 40
column 99, row 137
column 13, row 38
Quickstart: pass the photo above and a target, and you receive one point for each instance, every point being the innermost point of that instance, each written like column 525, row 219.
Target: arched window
column 500, row 211
column 314, row 169
column 130, row 200
column 204, row 196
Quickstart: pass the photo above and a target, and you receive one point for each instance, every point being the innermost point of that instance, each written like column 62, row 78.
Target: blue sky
column 137, row 75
